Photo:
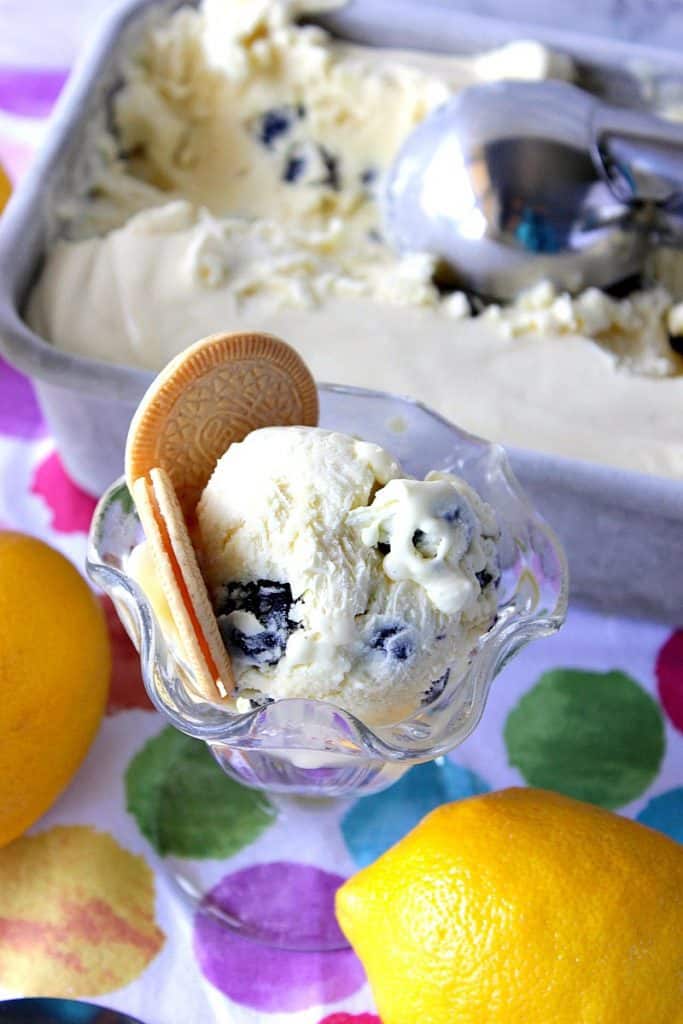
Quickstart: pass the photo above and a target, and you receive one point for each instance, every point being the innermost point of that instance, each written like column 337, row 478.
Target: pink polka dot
column 669, row 671
column 71, row 507
column 126, row 688
column 351, row 1018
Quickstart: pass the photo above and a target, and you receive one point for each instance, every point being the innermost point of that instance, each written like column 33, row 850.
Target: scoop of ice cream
column 334, row 577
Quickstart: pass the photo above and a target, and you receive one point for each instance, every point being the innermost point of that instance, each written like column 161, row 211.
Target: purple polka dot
column 20, row 415
column 288, row 902
column 30, row 93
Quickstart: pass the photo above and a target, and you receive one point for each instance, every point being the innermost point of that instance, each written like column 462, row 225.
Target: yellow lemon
column 54, row 674
column 522, row 907
column 5, row 188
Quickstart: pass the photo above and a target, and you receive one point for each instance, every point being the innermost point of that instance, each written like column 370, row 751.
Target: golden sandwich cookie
column 211, row 395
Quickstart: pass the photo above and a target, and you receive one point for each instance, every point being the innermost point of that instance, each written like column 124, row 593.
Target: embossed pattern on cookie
column 213, row 394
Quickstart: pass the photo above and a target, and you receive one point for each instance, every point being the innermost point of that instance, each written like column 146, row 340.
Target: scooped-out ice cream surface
column 235, row 180
column 333, row 576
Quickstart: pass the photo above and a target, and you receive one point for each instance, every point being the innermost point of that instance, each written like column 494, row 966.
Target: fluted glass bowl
column 313, row 748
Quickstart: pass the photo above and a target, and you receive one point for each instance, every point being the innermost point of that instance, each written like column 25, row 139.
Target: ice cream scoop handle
column 639, row 155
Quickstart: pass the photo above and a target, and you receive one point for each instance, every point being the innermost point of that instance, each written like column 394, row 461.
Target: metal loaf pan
column 623, row 531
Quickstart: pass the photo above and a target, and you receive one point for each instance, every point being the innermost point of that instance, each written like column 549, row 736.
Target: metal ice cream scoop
column 512, row 182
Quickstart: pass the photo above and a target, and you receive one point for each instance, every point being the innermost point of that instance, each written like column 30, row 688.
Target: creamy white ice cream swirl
column 335, row 577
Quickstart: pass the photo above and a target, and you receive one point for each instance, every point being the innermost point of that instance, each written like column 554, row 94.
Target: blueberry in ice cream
column 263, row 601
column 333, row 576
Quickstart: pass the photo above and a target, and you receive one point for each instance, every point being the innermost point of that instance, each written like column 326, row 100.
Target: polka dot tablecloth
column 85, row 906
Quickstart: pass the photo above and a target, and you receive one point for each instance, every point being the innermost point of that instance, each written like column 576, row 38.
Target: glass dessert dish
column 311, row 748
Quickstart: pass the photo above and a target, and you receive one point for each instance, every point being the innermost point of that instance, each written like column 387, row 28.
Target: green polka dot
column 184, row 803
column 591, row 735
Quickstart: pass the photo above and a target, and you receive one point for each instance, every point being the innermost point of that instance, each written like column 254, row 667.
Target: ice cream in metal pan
column 320, row 567
column 279, row 230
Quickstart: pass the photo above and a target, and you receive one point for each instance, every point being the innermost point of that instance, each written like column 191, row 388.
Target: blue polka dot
column 665, row 812
column 375, row 823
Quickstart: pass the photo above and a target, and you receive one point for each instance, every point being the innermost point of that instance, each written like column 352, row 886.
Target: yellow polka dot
column 76, row 914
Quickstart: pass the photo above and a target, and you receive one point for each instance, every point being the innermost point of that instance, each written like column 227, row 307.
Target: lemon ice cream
column 239, row 189
column 335, row 577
